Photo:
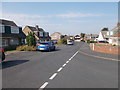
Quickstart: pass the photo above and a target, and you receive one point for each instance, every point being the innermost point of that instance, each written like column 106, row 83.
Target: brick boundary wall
column 105, row 48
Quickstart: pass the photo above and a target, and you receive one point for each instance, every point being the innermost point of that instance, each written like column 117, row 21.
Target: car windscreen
column 70, row 41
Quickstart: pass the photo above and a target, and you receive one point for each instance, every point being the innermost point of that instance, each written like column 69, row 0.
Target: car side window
column 52, row 43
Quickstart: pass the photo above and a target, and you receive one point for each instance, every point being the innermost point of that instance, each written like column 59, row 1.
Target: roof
column 116, row 30
column 116, row 27
column 7, row 22
column 34, row 28
column 104, row 34
column 56, row 33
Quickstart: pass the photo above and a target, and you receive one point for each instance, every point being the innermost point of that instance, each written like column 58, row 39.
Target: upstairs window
column 14, row 29
column 46, row 34
column 2, row 29
column 40, row 34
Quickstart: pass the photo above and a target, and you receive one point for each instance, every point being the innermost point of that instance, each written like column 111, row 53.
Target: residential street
column 66, row 67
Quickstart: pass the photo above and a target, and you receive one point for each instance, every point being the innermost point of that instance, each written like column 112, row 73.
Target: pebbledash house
column 10, row 34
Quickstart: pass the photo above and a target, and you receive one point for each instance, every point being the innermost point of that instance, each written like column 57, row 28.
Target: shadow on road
column 7, row 64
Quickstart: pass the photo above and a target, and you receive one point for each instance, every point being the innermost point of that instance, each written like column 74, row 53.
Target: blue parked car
column 46, row 46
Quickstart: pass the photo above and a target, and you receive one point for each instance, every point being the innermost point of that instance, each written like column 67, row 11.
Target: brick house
column 40, row 34
column 114, row 35
column 56, row 36
column 10, row 34
column 91, row 37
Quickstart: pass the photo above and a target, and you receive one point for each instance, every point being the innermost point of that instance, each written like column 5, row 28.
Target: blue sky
column 66, row 17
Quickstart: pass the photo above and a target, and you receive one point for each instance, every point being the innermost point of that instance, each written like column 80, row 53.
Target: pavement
column 86, row 49
column 66, row 67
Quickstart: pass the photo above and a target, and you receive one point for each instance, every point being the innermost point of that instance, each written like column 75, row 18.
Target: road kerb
column 98, row 56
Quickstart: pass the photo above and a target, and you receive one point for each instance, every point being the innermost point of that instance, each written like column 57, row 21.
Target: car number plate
column 41, row 48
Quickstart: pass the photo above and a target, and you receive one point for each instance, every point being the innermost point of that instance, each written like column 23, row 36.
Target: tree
column 31, row 39
column 105, row 29
column 82, row 35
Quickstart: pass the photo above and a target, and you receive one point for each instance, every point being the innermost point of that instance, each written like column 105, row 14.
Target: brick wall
column 106, row 48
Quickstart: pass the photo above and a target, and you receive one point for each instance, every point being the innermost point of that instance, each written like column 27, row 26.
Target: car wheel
column 54, row 49
column 49, row 50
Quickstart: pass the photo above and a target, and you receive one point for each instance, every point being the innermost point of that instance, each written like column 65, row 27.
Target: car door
column 52, row 44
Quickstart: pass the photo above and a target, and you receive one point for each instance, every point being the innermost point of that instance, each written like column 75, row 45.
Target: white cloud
column 25, row 19
column 77, row 15
column 78, row 21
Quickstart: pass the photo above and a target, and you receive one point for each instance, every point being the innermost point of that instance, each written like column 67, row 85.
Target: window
column 111, row 33
column 3, row 42
column 2, row 29
column 46, row 34
column 14, row 29
column 14, row 42
column 40, row 34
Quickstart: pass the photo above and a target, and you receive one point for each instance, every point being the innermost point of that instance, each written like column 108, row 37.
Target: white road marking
column 67, row 62
column 59, row 69
column 53, row 76
column 69, row 59
column 73, row 55
column 64, row 65
column 43, row 86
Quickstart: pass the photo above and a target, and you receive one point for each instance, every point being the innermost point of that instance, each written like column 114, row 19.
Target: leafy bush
column 88, row 41
column 63, row 41
column 10, row 48
column 31, row 39
column 114, row 45
column 26, row 48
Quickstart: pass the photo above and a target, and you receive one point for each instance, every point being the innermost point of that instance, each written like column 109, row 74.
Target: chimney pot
column 37, row 27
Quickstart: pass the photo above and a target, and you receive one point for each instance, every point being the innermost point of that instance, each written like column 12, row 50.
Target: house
column 114, row 35
column 56, row 36
column 91, row 37
column 40, row 34
column 77, row 38
column 102, row 36
column 10, row 34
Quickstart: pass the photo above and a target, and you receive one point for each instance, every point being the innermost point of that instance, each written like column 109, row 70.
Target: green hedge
column 10, row 48
column 88, row 41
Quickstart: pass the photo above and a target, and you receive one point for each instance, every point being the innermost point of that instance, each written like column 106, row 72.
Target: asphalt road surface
column 66, row 67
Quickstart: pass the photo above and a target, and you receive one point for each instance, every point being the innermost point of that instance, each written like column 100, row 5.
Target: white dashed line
column 67, row 62
column 59, row 69
column 53, row 76
column 43, row 86
column 73, row 56
column 64, row 65
column 69, row 59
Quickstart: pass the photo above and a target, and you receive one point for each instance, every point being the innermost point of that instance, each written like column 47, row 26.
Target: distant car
column 102, row 42
column 46, row 46
column 82, row 40
column 70, row 42
column 2, row 55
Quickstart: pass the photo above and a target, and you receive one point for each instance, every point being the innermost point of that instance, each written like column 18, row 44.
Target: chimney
column 37, row 27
